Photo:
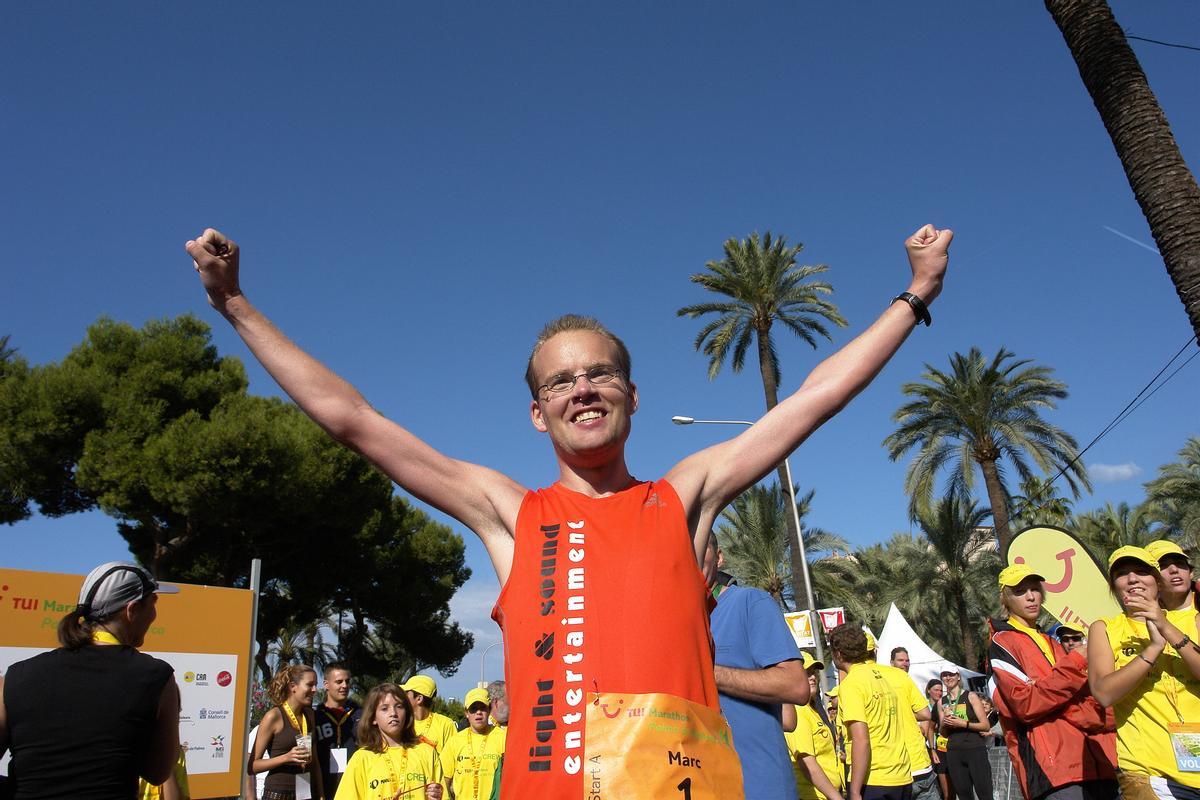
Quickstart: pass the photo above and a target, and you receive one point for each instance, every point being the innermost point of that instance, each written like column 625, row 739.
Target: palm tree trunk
column 998, row 500
column 970, row 652
column 771, row 391
column 1162, row 184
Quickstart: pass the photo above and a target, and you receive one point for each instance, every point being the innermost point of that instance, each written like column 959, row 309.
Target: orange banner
column 203, row 632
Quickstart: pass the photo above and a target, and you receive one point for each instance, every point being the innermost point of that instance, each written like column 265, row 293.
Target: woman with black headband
column 86, row 720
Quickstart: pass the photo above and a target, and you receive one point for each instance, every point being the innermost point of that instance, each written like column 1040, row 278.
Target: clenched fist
column 215, row 257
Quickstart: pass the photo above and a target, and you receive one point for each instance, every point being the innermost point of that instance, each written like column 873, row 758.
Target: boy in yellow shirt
column 472, row 755
column 868, row 710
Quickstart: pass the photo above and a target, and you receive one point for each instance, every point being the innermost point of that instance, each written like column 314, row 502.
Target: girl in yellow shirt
column 391, row 761
column 1148, row 670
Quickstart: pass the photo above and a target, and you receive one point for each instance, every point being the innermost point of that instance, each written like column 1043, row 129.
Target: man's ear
column 633, row 398
column 536, row 417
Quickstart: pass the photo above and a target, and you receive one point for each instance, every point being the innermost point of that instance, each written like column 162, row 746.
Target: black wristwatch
column 919, row 309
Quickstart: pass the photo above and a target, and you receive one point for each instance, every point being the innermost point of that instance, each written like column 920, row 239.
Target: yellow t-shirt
column 812, row 737
column 909, row 701
column 866, row 696
column 437, row 729
column 1169, row 694
column 378, row 776
column 470, row 760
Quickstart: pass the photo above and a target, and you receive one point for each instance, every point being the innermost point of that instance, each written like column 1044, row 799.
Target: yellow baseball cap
column 421, row 684
column 810, row 662
column 476, row 696
column 1015, row 573
column 1164, row 547
column 871, row 643
column 1136, row 553
column 832, row 692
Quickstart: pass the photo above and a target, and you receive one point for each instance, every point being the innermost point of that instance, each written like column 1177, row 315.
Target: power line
column 1164, row 44
column 1131, row 406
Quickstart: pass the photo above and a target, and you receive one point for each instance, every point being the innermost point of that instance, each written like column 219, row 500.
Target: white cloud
column 1113, row 473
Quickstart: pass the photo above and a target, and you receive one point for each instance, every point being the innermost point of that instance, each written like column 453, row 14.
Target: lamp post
column 482, row 657
column 791, row 490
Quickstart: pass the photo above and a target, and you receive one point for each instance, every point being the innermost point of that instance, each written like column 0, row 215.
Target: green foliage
column 454, row 709
column 1174, row 496
column 156, row 429
column 985, row 413
column 1040, row 504
column 754, row 539
column 765, row 285
column 1105, row 529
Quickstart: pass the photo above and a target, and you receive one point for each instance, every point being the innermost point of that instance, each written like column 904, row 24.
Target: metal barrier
column 1004, row 782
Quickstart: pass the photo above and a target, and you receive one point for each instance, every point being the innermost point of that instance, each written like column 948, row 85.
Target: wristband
column 1148, row 661
column 1184, row 642
column 919, row 309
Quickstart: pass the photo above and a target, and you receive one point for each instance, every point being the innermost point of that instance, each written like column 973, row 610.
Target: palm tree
column 977, row 414
column 1105, row 529
column 867, row 581
column 1174, row 496
column 764, row 286
column 1162, row 184
column 964, row 562
column 1040, row 504
column 754, row 539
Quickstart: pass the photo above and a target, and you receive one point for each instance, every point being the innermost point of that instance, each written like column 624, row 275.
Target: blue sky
column 418, row 187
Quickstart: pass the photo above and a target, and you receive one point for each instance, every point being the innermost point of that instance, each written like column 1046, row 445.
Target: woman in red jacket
column 1061, row 741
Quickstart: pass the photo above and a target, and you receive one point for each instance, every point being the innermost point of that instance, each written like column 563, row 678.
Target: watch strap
column 919, row 309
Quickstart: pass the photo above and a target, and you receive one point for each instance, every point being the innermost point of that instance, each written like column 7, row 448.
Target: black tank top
column 81, row 721
column 964, row 738
column 283, row 779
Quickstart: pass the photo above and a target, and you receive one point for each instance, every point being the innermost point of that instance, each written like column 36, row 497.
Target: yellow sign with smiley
column 1076, row 590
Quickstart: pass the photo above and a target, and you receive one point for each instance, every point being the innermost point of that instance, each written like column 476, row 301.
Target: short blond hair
column 576, row 322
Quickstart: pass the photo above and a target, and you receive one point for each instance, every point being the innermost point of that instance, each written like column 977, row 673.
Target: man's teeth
column 588, row 415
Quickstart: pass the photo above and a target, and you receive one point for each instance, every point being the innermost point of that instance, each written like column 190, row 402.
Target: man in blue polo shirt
column 758, row 669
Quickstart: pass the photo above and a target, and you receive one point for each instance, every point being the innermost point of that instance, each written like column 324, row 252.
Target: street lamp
column 791, row 490
column 482, row 656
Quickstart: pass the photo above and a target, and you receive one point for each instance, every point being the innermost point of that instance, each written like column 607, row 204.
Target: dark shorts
column 887, row 792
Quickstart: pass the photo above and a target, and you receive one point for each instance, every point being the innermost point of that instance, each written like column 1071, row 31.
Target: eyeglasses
column 1070, row 639
column 597, row 376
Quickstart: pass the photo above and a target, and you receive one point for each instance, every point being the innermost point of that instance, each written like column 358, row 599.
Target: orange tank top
column 604, row 595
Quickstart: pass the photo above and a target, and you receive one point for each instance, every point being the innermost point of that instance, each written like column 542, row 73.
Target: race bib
column 658, row 747
column 1185, row 741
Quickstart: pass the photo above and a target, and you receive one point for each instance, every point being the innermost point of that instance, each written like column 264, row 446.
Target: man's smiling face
column 589, row 422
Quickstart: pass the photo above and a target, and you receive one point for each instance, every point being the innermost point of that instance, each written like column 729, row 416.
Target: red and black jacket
column 1055, row 731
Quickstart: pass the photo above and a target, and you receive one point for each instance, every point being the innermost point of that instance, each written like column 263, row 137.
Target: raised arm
column 482, row 499
column 710, row 479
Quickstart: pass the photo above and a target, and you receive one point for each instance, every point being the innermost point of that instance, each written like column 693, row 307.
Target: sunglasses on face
column 1070, row 639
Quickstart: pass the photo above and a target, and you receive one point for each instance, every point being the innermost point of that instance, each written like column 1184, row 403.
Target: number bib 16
column 656, row 747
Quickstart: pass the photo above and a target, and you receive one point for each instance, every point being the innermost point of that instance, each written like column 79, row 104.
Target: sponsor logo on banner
column 831, row 617
column 800, row 624
column 214, row 713
column 218, row 746
column 189, row 677
column 224, row 678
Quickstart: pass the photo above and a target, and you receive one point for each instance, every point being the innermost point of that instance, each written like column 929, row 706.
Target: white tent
column 925, row 663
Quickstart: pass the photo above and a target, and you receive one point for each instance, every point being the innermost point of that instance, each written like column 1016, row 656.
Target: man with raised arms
column 576, row 617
